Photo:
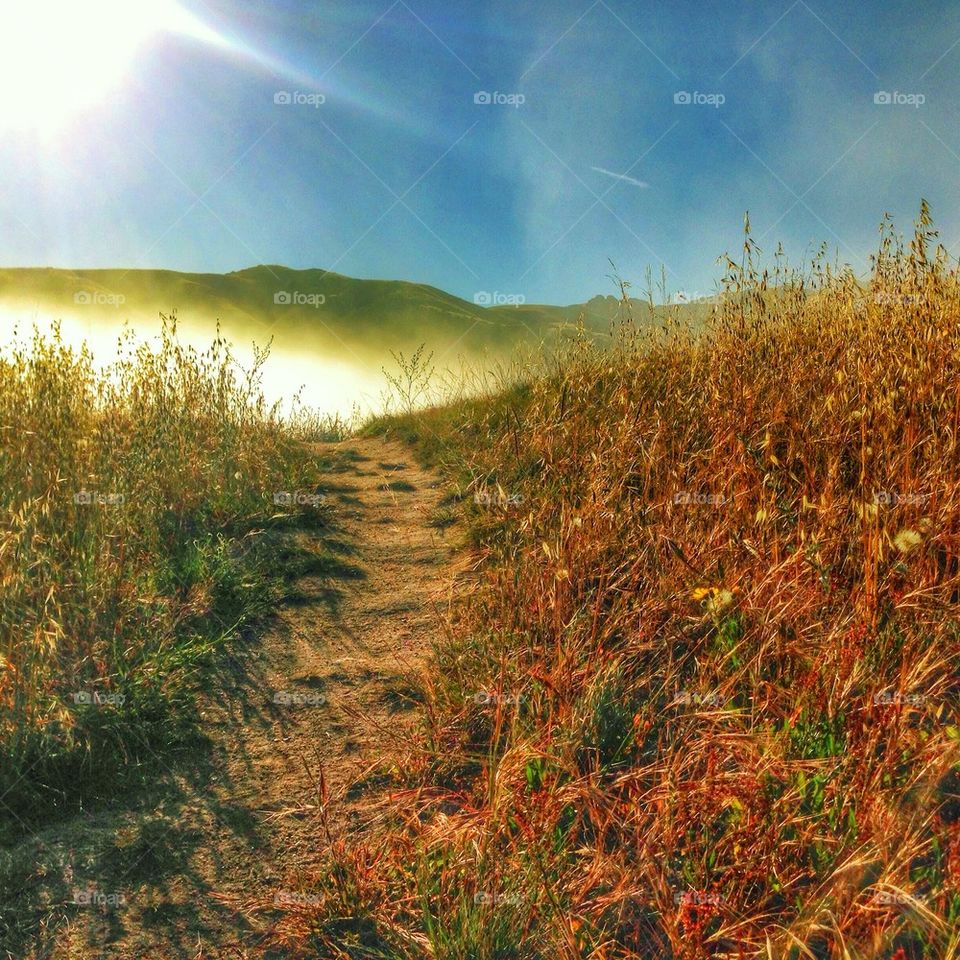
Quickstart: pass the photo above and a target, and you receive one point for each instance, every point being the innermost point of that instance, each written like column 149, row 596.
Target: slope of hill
column 334, row 310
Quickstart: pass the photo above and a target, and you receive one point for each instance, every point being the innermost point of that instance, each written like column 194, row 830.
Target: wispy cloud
column 621, row 176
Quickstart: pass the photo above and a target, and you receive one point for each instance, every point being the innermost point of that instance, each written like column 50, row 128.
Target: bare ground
column 295, row 726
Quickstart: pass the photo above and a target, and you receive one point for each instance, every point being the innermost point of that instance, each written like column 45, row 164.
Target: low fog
column 330, row 380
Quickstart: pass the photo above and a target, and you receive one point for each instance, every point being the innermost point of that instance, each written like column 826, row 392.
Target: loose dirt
column 295, row 726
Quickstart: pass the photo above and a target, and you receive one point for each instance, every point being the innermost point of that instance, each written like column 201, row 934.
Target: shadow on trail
column 130, row 861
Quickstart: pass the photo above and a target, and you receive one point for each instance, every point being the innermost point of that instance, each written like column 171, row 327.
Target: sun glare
column 58, row 57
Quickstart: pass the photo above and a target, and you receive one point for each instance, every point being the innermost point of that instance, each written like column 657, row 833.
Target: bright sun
column 59, row 56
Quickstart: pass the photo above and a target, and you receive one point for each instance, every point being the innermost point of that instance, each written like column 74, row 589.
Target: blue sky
column 188, row 163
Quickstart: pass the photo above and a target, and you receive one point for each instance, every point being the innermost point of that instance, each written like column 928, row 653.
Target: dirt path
column 308, row 709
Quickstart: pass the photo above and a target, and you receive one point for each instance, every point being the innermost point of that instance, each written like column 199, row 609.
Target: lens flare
column 59, row 57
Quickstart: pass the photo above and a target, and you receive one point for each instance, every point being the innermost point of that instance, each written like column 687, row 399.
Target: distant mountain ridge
column 324, row 305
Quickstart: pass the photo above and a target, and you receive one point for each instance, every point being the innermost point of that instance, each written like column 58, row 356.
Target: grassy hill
column 333, row 309
column 701, row 697
column 695, row 693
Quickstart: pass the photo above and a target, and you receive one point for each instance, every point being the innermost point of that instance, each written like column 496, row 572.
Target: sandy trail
column 325, row 696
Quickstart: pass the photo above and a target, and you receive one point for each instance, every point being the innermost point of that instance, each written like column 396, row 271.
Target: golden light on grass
column 646, row 783
column 123, row 495
column 636, row 822
column 320, row 378
column 906, row 541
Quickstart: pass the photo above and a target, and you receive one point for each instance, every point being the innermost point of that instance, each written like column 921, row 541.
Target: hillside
column 698, row 697
column 335, row 310
column 652, row 655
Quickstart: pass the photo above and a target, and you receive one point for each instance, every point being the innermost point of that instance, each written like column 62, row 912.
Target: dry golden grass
column 124, row 498
column 703, row 700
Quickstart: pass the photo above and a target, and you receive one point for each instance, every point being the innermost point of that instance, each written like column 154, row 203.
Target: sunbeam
column 58, row 57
